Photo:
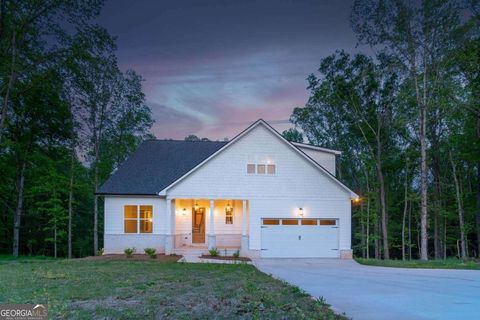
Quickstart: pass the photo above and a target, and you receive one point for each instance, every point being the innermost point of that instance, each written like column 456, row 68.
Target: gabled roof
column 278, row 135
column 156, row 164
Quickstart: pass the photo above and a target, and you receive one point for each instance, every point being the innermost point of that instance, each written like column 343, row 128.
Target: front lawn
column 126, row 289
column 430, row 264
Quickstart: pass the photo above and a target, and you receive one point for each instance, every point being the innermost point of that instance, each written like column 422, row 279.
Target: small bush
column 129, row 252
column 213, row 252
column 236, row 254
column 151, row 252
column 100, row 252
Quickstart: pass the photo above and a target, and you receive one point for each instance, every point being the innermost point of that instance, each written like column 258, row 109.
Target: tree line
column 407, row 118
column 69, row 117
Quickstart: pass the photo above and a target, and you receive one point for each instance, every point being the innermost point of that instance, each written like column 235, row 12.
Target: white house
column 257, row 193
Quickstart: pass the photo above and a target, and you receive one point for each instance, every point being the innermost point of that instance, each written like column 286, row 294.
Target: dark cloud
column 212, row 66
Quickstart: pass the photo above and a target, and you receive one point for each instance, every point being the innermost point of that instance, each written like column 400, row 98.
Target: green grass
column 430, row 264
column 129, row 289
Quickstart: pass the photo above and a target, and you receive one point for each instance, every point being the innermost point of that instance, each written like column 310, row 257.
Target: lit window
column 251, row 168
column 289, row 222
column 270, row 168
column 309, row 222
column 261, row 169
column 271, row 222
column 146, row 219
column 136, row 221
column 328, row 222
column 130, row 219
column 229, row 214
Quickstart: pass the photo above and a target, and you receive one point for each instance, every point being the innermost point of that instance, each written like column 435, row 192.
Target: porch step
column 195, row 251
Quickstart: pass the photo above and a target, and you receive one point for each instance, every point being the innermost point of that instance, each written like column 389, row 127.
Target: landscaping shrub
column 236, row 254
column 151, row 252
column 213, row 252
column 129, row 252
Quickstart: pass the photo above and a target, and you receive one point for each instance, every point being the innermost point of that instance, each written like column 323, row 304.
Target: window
column 309, row 222
column 146, row 219
column 271, row 222
column 289, row 222
column 328, row 222
column 251, row 168
column 130, row 219
column 270, row 168
column 229, row 214
column 261, row 169
column 138, row 222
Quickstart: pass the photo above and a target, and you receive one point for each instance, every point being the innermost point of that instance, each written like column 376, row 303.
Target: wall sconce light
column 228, row 206
column 356, row 199
column 300, row 212
column 195, row 206
column 184, row 211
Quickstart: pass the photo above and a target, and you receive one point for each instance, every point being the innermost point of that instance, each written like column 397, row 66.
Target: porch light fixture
column 356, row 199
column 228, row 206
column 300, row 212
column 195, row 206
column 184, row 211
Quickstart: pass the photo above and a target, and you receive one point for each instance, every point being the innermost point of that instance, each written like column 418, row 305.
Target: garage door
column 299, row 238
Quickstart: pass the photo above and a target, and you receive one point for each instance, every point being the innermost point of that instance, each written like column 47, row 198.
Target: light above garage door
column 300, row 238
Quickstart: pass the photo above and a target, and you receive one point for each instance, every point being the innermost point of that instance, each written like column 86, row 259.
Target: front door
column 198, row 225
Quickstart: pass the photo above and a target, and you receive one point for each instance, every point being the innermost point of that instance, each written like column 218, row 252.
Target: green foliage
column 293, row 135
column 151, row 252
column 129, row 252
column 236, row 254
column 213, row 252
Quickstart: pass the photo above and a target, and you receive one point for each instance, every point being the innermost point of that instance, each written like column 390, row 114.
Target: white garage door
column 300, row 238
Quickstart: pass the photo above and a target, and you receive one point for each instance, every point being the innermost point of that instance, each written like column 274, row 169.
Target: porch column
column 211, row 229
column 244, row 243
column 170, row 223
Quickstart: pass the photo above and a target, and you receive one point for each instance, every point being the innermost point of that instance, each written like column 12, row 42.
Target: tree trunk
column 9, row 89
column 461, row 223
column 362, row 215
column 477, row 216
column 423, row 186
column 70, row 204
column 368, row 227
column 381, row 181
column 18, row 211
column 405, row 208
column 410, row 232
column 55, row 238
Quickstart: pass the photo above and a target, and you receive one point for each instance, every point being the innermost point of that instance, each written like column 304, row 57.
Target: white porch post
column 170, row 223
column 244, row 243
column 211, row 229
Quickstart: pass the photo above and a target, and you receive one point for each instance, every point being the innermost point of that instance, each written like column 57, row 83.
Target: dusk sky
column 213, row 67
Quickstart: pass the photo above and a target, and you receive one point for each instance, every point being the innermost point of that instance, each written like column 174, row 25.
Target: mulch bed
column 207, row 256
column 135, row 257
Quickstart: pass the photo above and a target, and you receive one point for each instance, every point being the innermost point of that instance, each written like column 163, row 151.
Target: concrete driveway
column 364, row 292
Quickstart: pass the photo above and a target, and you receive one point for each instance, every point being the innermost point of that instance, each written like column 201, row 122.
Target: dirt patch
column 207, row 256
column 135, row 257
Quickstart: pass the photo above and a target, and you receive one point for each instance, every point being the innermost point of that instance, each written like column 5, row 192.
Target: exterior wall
column 297, row 183
column 115, row 238
column 325, row 159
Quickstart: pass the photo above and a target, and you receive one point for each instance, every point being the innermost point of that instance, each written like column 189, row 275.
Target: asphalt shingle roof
column 156, row 164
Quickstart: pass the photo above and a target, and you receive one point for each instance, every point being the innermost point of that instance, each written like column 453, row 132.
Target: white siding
column 297, row 183
column 115, row 238
column 325, row 159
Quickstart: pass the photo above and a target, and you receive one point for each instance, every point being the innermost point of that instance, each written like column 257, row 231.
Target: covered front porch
column 197, row 224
